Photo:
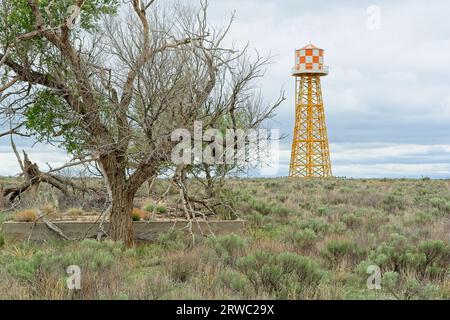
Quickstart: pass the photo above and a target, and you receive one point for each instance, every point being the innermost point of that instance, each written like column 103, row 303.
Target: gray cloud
column 388, row 89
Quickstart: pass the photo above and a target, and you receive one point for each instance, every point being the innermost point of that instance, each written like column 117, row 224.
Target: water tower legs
column 310, row 155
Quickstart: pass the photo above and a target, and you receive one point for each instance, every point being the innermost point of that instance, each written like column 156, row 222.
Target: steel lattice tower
column 310, row 155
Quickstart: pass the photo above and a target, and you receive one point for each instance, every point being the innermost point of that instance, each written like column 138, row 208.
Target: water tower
column 310, row 156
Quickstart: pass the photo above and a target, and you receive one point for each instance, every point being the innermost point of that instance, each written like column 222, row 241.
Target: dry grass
column 74, row 212
column 29, row 215
column 306, row 239
column 139, row 214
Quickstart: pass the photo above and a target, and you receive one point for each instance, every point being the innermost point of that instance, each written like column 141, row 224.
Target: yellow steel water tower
column 310, row 155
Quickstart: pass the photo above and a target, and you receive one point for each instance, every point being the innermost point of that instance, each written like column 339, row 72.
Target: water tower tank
column 309, row 59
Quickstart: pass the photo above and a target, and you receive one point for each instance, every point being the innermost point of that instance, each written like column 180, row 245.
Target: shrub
column 307, row 271
column 281, row 274
column 407, row 287
column 441, row 204
column 260, row 269
column 74, row 212
column 280, row 211
column 318, row 226
column 173, row 240
column 229, row 247
column 423, row 217
column 323, row 211
column 139, row 214
column 393, row 203
column 338, row 228
column 26, row 216
column 437, row 255
column 302, row 239
column 262, row 207
column 398, row 254
column 336, row 250
column 235, row 280
column 256, row 220
column 49, row 210
column 351, row 220
column 181, row 266
column 151, row 207
column 2, row 240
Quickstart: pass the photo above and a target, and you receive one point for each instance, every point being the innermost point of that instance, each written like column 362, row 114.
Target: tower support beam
column 310, row 155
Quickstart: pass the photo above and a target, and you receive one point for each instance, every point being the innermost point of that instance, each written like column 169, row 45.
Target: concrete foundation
column 143, row 231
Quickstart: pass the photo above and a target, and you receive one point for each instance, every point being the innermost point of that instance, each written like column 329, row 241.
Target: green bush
column 423, row 217
column 280, row 274
column 135, row 216
column 265, row 208
column 302, row 239
column 318, row 226
column 173, row 240
column 2, row 241
column 398, row 254
column 437, row 255
column 323, row 211
column 280, row 211
column 151, row 207
column 229, row 247
column 407, row 287
column 307, row 271
column 351, row 220
column 255, row 220
column 338, row 228
column 393, row 203
column 235, row 280
column 262, row 271
column 441, row 204
column 336, row 250
column 182, row 266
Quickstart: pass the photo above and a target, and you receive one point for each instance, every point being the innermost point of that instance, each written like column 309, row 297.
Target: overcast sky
column 387, row 97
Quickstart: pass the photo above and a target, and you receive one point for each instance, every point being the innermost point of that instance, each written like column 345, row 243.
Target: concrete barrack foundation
column 143, row 230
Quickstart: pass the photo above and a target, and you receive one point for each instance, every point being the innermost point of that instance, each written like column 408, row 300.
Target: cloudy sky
column 387, row 97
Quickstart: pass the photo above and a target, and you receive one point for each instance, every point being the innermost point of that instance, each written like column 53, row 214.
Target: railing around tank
column 303, row 69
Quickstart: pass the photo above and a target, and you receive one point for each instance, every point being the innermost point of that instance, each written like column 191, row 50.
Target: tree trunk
column 121, row 197
column 121, row 221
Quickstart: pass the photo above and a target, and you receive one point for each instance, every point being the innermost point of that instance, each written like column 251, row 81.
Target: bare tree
column 115, row 87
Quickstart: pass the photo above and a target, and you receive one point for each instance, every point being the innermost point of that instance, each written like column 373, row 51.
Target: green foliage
column 407, row 287
column 323, row 211
column 437, row 254
column 317, row 225
column 398, row 254
column 229, row 247
column 302, row 239
column 48, row 117
column 135, row 216
column 20, row 18
column 2, row 240
column 90, row 256
column 441, row 204
column 351, row 220
column 335, row 250
column 173, row 240
column 393, row 203
column 235, row 280
column 307, row 271
column 283, row 274
column 151, row 207
column 265, row 208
